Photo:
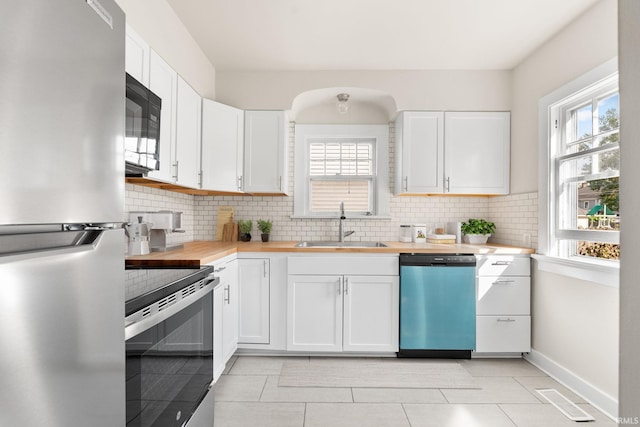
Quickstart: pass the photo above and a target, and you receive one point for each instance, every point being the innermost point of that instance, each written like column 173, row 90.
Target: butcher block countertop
column 201, row 252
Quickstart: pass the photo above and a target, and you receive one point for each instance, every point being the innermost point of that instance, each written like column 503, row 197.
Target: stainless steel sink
column 330, row 244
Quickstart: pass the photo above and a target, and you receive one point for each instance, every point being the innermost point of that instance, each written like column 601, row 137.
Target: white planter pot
column 476, row 239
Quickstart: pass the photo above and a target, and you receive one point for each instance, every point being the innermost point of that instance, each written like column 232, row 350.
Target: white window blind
column 341, row 170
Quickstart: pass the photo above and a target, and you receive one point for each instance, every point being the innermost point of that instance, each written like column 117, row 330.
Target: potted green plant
column 477, row 231
column 245, row 227
column 264, row 225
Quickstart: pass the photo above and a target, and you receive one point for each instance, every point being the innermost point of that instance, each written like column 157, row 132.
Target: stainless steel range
column 169, row 347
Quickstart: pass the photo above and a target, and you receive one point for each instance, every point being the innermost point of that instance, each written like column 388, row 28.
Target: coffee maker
column 138, row 234
column 162, row 223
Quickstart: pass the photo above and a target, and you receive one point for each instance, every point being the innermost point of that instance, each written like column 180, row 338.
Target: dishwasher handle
column 437, row 260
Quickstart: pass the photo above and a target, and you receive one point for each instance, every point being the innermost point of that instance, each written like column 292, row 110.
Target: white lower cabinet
column 253, row 297
column 218, row 357
column 503, row 304
column 225, row 314
column 314, row 311
column 230, row 309
column 343, row 312
column 371, row 313
column 503, row 334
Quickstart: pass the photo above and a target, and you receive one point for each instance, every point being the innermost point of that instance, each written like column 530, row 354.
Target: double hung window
column 584, row 166
column 341, row 170
column 341, row 163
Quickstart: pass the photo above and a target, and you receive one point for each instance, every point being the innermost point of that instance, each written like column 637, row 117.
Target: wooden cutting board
column 230, row 231
column 225, row 214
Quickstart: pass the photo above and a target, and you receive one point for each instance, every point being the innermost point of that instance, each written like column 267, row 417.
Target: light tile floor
column 248, row 395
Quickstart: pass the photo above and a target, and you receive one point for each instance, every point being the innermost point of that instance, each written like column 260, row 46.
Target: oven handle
column 136, row 328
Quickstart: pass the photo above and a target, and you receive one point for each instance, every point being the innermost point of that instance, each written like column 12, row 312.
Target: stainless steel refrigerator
column 62, row 88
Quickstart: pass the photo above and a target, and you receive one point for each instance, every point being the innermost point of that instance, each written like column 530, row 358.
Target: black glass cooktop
column 147, row 285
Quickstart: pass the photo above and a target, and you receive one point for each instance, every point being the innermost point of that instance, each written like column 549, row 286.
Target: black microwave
column 142, row 129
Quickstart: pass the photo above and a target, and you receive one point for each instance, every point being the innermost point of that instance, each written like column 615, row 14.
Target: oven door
column 169, row 361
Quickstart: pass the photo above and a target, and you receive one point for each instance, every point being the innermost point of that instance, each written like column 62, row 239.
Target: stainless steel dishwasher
column 437, row 305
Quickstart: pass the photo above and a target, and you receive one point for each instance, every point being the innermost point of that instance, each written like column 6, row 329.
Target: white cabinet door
column 253, row 299
column 230, row 309
column 314, row 313
column 218, row 334
column 137, row 56
column 503, row 334
column 222, row 146
column 163, row 81
column 477, row 146
column 189, row 110
column 371, row 313
column 419, row 152
column 265, row 152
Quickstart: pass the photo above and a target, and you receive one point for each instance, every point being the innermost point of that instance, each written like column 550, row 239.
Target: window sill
column 605, row 274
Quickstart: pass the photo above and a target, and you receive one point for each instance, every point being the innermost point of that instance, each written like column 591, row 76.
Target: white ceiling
column 373, row 34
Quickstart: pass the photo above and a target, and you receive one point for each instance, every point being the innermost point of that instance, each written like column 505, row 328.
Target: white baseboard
column 596, row 397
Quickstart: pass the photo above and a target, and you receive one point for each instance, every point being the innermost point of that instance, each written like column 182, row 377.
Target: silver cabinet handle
column 239, row 181
column 448, row 184
column 503, row 282
column 200, row 179
column 264, row 266
column 217, row 270
column 346, row 286
column 508, row 319
column 227, row 290
column 280, row 183
column 502, row 263
column 175, row 165
column 339, row 283
column 406, row 183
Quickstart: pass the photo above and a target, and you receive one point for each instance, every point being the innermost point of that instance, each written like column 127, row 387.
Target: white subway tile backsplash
column 514, row 215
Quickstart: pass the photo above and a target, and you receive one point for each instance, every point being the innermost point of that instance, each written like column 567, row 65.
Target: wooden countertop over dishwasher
column 201, row 252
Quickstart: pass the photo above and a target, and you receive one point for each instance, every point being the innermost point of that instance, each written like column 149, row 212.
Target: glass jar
column 405, row 233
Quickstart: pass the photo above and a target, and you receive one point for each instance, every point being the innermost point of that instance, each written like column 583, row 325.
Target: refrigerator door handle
column 25, row 243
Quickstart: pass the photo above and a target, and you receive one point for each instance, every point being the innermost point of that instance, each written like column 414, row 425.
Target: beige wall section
column 586, row 43
column 411, row 90
column 629, row 178
column 575, row 324
column 170, row 39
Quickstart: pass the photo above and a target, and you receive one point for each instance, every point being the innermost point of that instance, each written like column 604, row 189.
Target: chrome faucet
column 341, row 233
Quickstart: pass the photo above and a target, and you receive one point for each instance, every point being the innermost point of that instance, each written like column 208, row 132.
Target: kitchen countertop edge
column 200, row 252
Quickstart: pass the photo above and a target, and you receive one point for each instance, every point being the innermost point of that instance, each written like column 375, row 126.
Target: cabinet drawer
column 503, row 334
column 498, row 265
column 503, row 295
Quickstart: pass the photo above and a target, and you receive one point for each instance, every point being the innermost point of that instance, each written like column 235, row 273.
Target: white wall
column 588, row 42
column 629, row 178
column 159, row 26
column 574, row 322
column 412, row 90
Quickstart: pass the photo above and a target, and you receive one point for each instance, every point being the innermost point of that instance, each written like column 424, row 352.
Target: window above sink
column 336, row 163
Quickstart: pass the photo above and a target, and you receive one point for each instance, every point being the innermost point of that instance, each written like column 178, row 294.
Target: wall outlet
column 526, row 240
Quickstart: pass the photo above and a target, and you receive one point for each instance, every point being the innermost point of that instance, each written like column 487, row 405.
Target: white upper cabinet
column 452, row 152
column 189, row 110
column 137, row 53
column 163, row 81
column 265, row 152
column 419, row 152
column 477, row 152
column 222, row 146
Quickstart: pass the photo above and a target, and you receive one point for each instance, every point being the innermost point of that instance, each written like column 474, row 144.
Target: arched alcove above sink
column 367, row 106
